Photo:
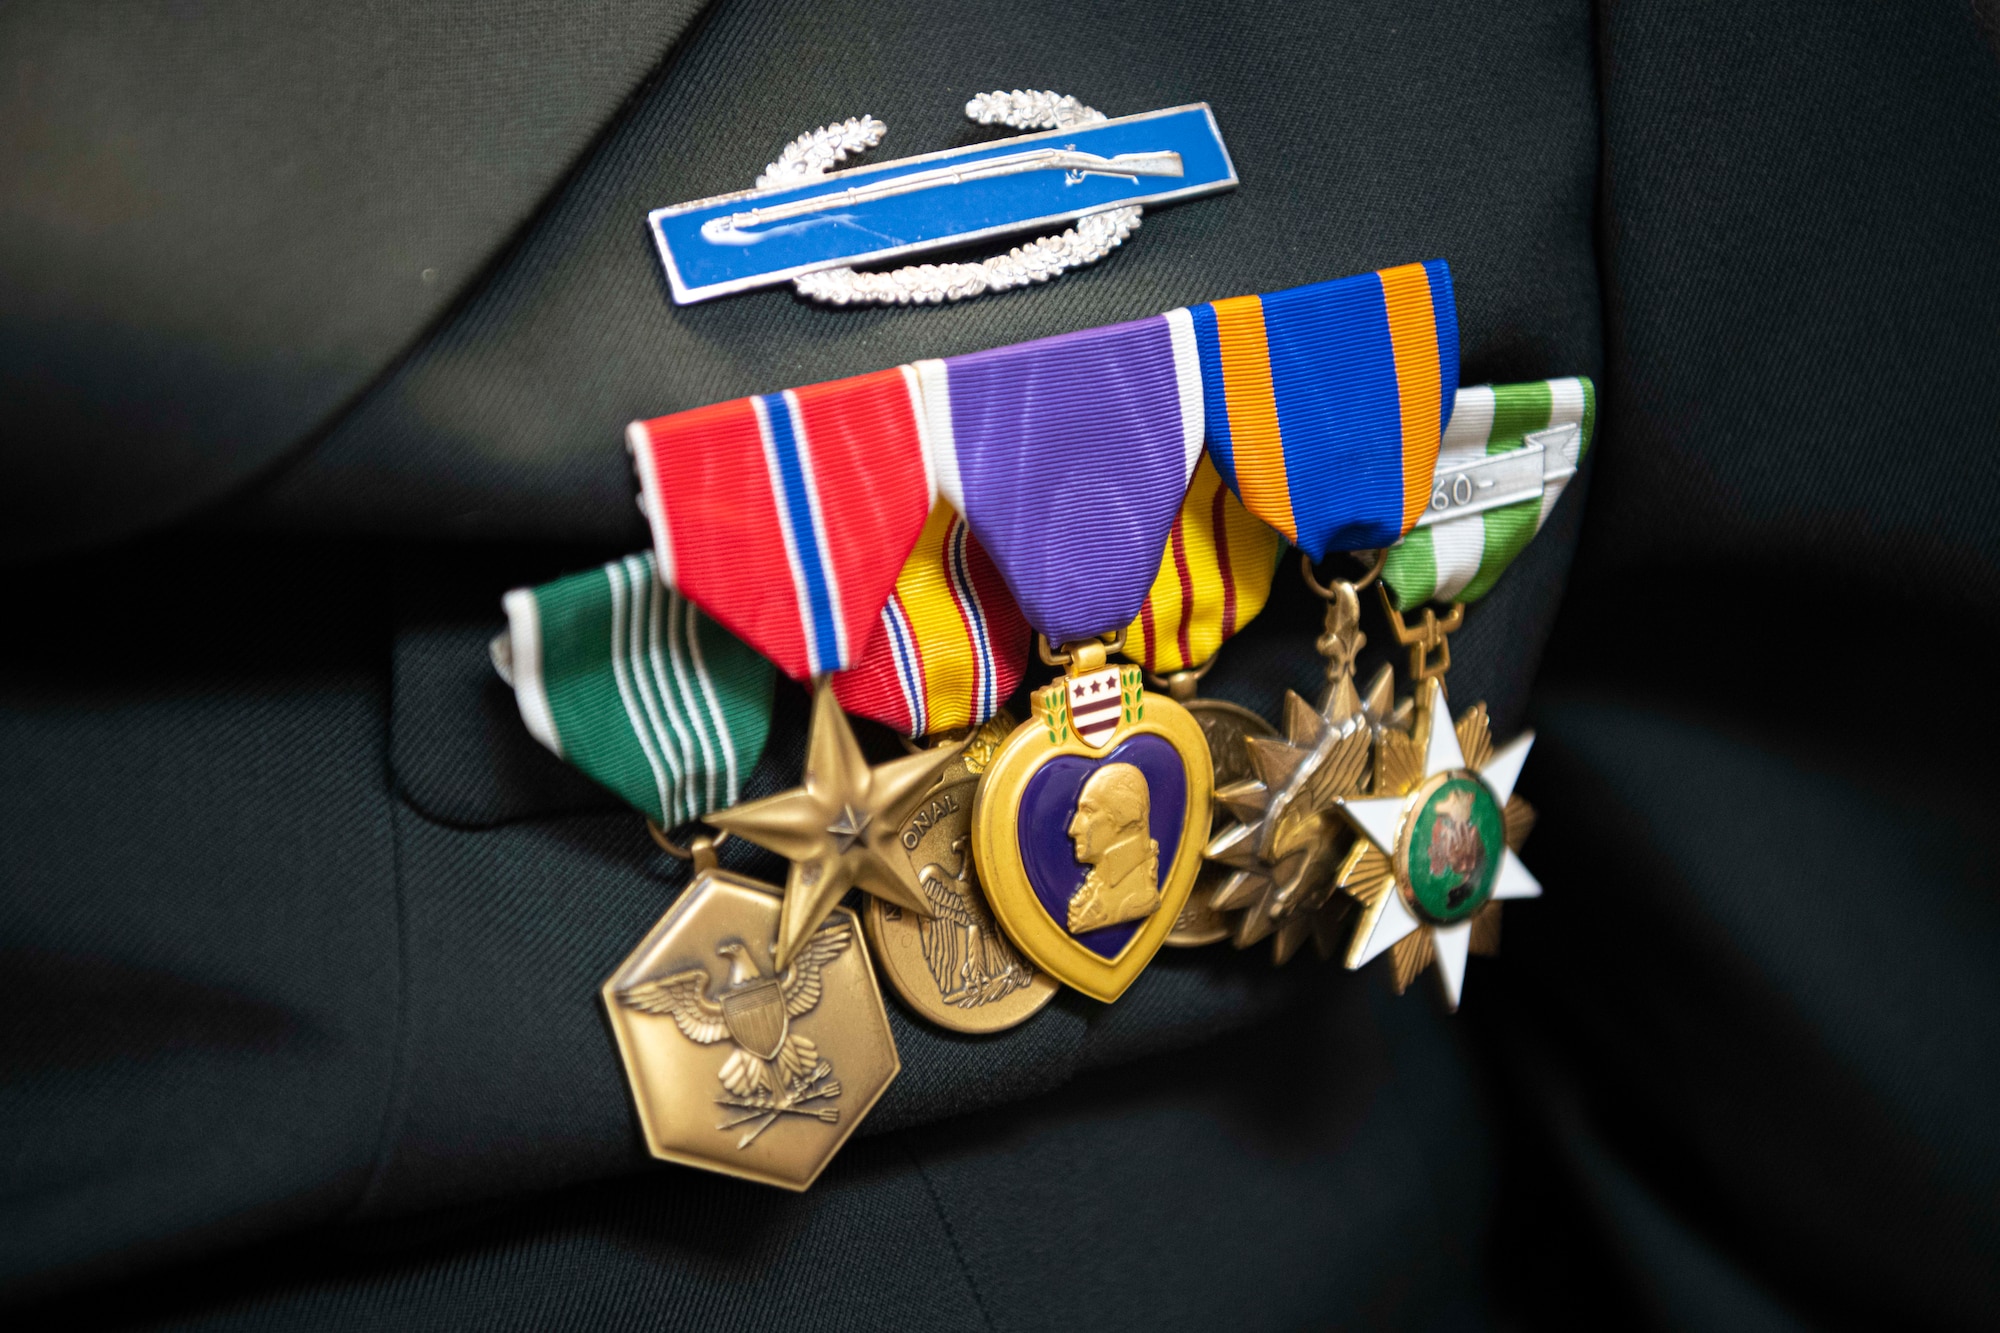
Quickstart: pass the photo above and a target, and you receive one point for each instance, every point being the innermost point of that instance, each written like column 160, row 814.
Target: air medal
column 1325, row 406
column 1282, row 854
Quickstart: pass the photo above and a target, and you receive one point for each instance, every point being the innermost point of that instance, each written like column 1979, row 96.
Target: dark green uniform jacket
column 319, row 326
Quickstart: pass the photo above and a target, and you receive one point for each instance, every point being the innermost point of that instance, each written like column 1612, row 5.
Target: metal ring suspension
column 1325, row 593
column 699, row 850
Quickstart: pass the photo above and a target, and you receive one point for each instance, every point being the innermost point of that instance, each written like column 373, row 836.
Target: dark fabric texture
column 1207, row 1188
column 1757, row 1040
column 220, row 222
column 300, row 934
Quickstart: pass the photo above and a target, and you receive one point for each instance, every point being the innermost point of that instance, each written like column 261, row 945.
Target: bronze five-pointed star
column 841, row 828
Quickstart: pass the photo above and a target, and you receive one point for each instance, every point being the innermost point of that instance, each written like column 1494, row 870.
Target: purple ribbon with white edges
column 1068, row 456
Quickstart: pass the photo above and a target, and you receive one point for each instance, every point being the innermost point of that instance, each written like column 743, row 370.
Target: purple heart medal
column 1088, row 827
column 1068, row 458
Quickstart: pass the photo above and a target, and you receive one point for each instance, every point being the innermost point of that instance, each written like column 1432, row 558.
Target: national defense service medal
column 957, row 968
column 1089, row 823
column 736, row 1065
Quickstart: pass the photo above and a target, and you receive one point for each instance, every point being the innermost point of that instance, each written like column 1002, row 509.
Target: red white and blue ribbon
column 789, row 516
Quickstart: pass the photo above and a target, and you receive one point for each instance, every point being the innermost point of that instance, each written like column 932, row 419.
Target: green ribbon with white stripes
column 633, row 685
column 1465, row 541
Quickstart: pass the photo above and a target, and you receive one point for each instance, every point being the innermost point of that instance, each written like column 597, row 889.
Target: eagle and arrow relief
column 737, row 1065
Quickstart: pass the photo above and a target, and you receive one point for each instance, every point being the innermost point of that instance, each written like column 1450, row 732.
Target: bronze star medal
column 1437, row 852
column 841, row 828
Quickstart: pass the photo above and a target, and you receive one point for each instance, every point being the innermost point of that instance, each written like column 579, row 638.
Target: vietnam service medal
column 1088, row 825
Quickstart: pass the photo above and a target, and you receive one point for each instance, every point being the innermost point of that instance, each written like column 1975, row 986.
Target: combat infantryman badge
column 807, row 224
column 1088, row 840
column 761, row 1073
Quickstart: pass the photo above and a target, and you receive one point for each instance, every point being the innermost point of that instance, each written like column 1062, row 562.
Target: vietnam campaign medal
column 1440, row 832
column 1437, row 855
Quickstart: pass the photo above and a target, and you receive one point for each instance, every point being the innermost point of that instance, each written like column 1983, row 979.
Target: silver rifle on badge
column 1131, row 166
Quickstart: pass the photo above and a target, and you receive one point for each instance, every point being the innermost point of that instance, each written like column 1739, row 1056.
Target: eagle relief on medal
column 1089, row 824
column 739, row 1066
column 956, row 968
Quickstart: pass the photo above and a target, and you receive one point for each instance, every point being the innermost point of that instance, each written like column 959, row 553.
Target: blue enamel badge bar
column 755, row 238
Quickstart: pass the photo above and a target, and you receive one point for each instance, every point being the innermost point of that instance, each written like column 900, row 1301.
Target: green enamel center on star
column 1456, row 842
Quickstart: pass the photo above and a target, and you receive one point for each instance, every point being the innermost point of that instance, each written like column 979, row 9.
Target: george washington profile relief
column 1110, row 832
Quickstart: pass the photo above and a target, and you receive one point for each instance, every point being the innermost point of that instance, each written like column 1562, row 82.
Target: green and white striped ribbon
column 1504, row 441
column 637, row 688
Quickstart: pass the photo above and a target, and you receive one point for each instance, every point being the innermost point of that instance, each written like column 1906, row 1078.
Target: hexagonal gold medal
column 739, row 1067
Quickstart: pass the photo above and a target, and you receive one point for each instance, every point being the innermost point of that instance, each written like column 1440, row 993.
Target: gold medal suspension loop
column 1342, row 640
column 1180, row 685
column 1083, row 655
column 1430, row 648
column 701, row 850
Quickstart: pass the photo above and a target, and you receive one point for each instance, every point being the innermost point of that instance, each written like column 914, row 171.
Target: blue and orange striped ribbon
column 1324, row 404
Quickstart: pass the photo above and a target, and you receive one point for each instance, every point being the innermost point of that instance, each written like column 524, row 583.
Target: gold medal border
column 690, row 897
column 1406, row 827
column 996, row 847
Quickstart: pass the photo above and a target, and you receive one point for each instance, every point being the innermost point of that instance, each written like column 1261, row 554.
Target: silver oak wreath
column 816, row 152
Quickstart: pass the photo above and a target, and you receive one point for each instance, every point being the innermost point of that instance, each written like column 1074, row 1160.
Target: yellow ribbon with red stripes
column 1215, row 575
